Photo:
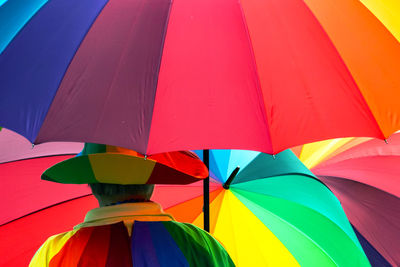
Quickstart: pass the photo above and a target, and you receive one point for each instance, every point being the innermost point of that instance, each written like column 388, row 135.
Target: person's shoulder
column 192, row 230
column 59, row 240
column 49, row 248
column 199, row 244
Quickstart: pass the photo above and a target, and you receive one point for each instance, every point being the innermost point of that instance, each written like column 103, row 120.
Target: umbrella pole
column 206, row 192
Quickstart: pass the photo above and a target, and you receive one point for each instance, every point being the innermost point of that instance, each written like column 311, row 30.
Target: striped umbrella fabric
column 364, row 175
column 163, row 243
column 156, row 75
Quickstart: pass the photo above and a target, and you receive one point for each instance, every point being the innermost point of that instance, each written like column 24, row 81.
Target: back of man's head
column 108, row 194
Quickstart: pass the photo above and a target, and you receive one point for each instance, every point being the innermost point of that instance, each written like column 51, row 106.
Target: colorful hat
column 116, row 165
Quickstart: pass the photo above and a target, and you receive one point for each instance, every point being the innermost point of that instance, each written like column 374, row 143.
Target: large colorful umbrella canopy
column 274, row 213
column 364, row 175
column 155, row 76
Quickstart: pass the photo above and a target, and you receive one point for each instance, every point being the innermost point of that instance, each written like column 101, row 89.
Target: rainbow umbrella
column 272, row 211
column 156, row 76
column 364, row 175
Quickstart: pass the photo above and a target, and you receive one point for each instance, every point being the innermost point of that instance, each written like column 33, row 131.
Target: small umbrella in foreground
column 364, row 175
column 274, row 212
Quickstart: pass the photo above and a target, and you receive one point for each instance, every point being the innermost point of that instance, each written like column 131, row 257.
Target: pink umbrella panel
column 364, row 175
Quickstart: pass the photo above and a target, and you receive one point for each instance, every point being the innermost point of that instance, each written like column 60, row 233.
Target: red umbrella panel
column 30, row 207
column 155, row 76
column 364, row 175
column 21, row 166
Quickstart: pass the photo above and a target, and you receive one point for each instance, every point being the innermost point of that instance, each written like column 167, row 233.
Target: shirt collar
column 126, row 210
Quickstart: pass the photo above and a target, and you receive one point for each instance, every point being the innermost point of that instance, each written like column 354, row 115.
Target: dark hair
column 137, row 191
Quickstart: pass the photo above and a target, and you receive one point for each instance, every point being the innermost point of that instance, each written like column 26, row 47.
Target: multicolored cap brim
column 117, row 165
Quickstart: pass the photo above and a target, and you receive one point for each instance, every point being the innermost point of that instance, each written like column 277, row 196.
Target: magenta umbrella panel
column 162, row 75
column 364, row 175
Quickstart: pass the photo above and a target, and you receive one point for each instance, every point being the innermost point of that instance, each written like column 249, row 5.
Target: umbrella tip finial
column 273, row 156
column 228, row 182
column 386, row 141
column 33, row 145
column 145, row 157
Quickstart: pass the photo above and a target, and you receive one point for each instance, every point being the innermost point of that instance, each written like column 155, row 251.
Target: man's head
column 107, row 194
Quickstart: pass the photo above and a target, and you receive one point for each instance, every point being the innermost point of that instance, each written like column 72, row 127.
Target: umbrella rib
column 38, row 157
column 65, row 71
column 357, row 182
column 285, row 174
column 259, row 89
column 44, row 208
